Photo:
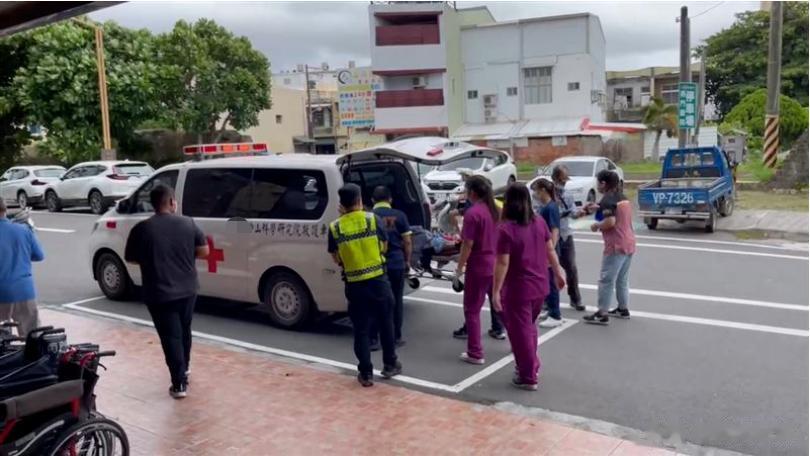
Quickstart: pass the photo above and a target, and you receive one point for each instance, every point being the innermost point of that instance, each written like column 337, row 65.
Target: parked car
column 582, row 170
column 447, row 179
column 696, row 184
column 25, row 186
column 96, row 184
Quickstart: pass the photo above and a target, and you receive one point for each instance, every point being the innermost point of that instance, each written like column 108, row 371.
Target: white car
column 582, row 171
column 96, row 184
column 25, row 185
column 447, row 179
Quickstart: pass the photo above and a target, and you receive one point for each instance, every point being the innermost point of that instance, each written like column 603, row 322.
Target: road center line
column 55, row 230
column 669, row 294
column 705, row 250
column 703, row 241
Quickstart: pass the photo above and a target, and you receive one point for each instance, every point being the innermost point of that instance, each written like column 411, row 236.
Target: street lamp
column 107, row 152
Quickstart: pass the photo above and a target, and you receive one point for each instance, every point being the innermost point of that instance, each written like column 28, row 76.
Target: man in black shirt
column 166, row 246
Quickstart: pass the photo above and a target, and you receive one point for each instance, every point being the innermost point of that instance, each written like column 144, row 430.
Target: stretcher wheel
column 413, row 282
column 458, row 285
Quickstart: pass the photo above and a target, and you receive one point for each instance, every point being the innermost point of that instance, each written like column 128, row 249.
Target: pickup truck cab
column 696, row 184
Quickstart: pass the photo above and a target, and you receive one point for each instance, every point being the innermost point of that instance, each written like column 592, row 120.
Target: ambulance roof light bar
column 204, row 151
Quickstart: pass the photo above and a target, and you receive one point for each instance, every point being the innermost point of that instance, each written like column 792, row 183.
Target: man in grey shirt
column 568, row 211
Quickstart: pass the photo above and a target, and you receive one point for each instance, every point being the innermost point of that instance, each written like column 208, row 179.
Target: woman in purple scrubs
column 524, row 251
column 477, row 260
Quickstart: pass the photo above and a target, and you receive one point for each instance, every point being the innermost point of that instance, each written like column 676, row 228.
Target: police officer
column 357, row 242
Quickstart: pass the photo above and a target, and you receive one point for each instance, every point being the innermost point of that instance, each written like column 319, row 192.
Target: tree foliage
column 737, row 57
column 59, row 89
column 214, row 79
column 13, row 134
column 660, row 117
column 749, row 115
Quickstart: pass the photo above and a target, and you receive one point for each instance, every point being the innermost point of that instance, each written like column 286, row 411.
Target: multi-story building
column 416, row 51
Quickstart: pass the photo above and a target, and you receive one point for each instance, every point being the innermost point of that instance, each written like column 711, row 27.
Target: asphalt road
column 716, row 353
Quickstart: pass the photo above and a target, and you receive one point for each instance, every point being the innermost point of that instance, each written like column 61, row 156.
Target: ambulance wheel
column 286, row 300
column 112, row 277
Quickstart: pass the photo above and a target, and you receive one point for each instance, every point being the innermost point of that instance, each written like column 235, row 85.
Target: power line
column 706, row 11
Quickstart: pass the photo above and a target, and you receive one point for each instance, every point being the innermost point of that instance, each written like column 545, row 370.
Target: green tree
column 213, row 79
column 660, row 117
column 59, row 86
column 13, row 134
column 749, row 115
column 737, row 57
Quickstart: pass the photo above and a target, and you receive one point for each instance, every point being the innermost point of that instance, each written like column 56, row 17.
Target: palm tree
column 660, row 117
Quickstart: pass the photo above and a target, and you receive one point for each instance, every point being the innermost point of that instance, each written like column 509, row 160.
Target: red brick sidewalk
column 250, row 404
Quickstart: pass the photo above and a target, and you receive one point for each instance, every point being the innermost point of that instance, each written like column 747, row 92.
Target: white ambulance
column 266, row 219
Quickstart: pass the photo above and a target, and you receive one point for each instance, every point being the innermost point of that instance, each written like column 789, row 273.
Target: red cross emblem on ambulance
column 215, row 255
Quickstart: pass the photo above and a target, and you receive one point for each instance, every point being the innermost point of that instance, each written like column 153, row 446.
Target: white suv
column 447, row 179
column 25, row 185
column 96, row 184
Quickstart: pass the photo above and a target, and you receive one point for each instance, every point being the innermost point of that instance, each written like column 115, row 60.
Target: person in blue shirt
column 397, row 257
column 545, row 194
column 18, row 248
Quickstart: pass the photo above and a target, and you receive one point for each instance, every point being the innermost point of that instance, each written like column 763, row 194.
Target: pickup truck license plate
column 673, row 198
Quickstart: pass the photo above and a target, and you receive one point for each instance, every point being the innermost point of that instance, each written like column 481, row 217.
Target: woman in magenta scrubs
column 524, row 252
column 477, row 260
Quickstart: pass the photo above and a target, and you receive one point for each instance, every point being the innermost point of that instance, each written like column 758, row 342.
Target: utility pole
column 107, row 152
column 686, row 70
column 701, row 97
column 310, row 138
column 771, row 138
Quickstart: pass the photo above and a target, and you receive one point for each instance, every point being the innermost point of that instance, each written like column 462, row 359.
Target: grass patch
column 758, row 200
column 754, row 169
column 751, row 235
column 527, row 168
column 641, row 167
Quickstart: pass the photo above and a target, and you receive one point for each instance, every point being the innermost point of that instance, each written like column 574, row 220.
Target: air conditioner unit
column 419, row 82
column 490, row 101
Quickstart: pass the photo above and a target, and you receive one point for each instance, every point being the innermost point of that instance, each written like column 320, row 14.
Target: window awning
column 19, row 16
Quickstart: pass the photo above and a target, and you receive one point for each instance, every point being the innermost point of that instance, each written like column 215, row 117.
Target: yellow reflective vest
column 358, row 246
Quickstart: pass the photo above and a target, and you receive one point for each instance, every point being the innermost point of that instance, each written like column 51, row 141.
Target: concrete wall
column 454, row 94
column 541, row 151
column 410, row 117
column 288, row 103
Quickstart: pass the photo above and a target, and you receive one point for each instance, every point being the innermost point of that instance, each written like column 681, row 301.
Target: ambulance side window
column 217, row 192
column 288, row 194
column 142, row 203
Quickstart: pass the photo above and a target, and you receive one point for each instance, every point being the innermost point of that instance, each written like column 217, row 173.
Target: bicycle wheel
column 94, row 437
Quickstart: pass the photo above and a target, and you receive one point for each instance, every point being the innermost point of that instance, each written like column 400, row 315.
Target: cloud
column 637, row 34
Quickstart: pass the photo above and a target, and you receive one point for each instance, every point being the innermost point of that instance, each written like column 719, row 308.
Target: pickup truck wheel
column 711, row 222
column 652, row 223
column 728, row 207
column 286, row 300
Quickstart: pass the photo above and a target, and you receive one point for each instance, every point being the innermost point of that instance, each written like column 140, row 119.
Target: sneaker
column 460, row 333
column 596, row 319
column 365, row 380
column 178, row 392
column 392, row 371
column 520, row 384
column 551, row 322
column 469, row 359
column 543, row 315
column 400, row 343
column 619, row 313
column 577, row 306
column 495, row 334
column 374, row 345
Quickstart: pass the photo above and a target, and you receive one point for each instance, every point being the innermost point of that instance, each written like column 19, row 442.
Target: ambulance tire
column 287, row 300
column 112, row 277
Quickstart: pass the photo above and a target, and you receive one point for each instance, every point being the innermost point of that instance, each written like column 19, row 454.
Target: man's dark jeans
column 172, row 320
column 371, row 300
column 396, row 277
column 568, row 261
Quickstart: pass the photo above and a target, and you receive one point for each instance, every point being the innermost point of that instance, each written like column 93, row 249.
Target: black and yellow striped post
column 771, row 140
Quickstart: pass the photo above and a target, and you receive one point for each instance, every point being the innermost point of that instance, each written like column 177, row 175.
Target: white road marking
column 705, row 250
column 82, row 301
column 261, row 348
column 508, row 359
column 669, row 294
column 704, row 241
column 669, row 317
column 55, row 230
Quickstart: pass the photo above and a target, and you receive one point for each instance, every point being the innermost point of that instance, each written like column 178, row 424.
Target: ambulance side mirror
column 122, row 207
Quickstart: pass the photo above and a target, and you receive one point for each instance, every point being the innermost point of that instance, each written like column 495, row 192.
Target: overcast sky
column 638, row 34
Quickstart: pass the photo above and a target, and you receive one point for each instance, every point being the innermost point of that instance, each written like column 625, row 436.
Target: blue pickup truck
column 696, row 184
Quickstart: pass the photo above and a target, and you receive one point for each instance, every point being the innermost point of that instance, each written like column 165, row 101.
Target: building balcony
column 406, row 35
column 409, row 98
column 323, row 131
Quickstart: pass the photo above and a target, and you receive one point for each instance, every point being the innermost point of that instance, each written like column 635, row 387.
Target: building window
column 573, row 86
column 537, row 85
column 669, row 93
column 472, row 94
column 645, row 90
column 278, row 118
column 511, row 91
column 623, row 97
